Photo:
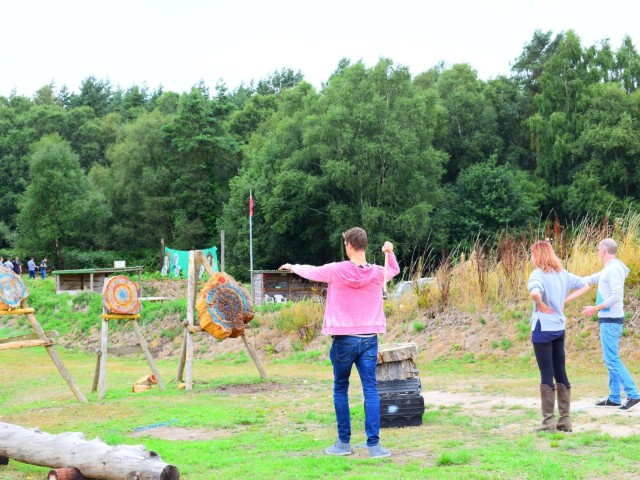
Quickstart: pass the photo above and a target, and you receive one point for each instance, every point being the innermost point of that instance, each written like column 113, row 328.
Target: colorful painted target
column 224, row 307
column 120, row 295
column 12, row 289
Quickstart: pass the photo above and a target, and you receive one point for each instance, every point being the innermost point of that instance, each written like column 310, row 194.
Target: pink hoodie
column 354, row 295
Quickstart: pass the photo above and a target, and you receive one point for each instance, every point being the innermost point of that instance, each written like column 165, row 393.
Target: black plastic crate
column 411, row 385
column 401, row 410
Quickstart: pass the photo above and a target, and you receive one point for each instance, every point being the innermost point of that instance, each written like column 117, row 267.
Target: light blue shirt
column 554, row 288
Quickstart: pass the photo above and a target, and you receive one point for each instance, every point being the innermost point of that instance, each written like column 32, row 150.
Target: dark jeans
column 32, row 274
column 363, row 352
column 551, row 359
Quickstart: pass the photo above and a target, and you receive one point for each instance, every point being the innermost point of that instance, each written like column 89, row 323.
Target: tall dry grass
column 499, row 274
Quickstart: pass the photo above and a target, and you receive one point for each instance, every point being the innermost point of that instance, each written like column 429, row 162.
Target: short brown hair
column 357, row 237
column 544, row 257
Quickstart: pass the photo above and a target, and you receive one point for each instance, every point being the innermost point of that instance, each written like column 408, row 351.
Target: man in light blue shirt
column 610, row 309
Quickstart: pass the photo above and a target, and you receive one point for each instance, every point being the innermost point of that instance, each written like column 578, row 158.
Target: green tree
column 203, row 157
column 59, row 208
column 489, row 198
column 470, row 129
column 137, row 185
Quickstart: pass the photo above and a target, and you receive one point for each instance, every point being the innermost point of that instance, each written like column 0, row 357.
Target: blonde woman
column 549, row 286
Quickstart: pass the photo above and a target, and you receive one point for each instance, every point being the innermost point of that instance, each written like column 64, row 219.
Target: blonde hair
column 544, row 257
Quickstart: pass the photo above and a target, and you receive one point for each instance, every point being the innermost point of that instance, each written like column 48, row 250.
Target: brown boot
column 564, row 403
column 548, row 399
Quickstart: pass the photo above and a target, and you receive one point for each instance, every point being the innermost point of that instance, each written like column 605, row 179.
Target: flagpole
column 251, row 239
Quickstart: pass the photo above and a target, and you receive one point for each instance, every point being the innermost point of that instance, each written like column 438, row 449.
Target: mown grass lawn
column 279, row 429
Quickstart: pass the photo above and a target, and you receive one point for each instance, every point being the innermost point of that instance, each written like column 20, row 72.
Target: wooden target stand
column 100, row 375
column 197, row 258
column 41, row 341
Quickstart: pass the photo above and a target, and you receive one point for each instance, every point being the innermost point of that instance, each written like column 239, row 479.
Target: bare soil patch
column 180, row 433
column 585, row 415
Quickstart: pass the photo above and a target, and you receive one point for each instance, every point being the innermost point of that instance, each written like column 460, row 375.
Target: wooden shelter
column 280, row 286
column 91, row 279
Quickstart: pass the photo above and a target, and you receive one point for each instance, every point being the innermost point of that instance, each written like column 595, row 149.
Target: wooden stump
column 395, row 362
column 4, row 460
column 67, row 473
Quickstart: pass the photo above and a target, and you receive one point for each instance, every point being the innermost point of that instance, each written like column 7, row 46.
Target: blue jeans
column 363, row 352
column 610, row 334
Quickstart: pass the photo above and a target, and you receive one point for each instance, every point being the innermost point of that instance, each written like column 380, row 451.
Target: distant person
column 548, row 287
column 43, row 268
column 8, row 264
column 354, row 317
column 31, row 266
column 610, row 309
column 17, row 266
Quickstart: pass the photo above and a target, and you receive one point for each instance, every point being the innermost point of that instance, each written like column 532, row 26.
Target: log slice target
column 120, row 295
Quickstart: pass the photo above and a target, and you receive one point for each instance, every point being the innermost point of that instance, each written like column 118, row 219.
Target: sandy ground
column 585, row 415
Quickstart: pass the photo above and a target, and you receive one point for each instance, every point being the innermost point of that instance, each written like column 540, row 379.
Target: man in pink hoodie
column 353, row 317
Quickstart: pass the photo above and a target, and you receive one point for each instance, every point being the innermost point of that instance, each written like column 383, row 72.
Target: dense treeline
column 428, row 160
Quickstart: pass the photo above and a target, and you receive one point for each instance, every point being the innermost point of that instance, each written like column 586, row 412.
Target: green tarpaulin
column 176, row 262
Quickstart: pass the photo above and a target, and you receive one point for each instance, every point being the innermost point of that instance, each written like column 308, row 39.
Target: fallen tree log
column 94, row 458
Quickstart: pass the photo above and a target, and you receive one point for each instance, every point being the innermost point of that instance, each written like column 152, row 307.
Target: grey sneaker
column 378, row 452
column 339, row 448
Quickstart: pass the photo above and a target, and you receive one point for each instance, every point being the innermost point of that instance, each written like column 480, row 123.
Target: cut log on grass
column 66, row 473
column 94, row 459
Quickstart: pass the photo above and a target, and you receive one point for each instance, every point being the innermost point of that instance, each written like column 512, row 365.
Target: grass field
column 244, row 428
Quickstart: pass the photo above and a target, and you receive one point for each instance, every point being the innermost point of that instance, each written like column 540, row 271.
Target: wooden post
column 53, row 354
column 104, row 345
column 91, row 282
column 147, row 354
column 161, row 254
column 192, row 280
column 222, row 250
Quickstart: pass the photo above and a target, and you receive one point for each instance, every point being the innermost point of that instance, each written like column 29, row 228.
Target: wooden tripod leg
column 96, row 372
column 183, row 356
column 147, row 354
column 104, row 342
column 55, row 358
column 255, row 358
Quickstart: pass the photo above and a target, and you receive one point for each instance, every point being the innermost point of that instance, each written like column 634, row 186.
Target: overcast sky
column 177, row 43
